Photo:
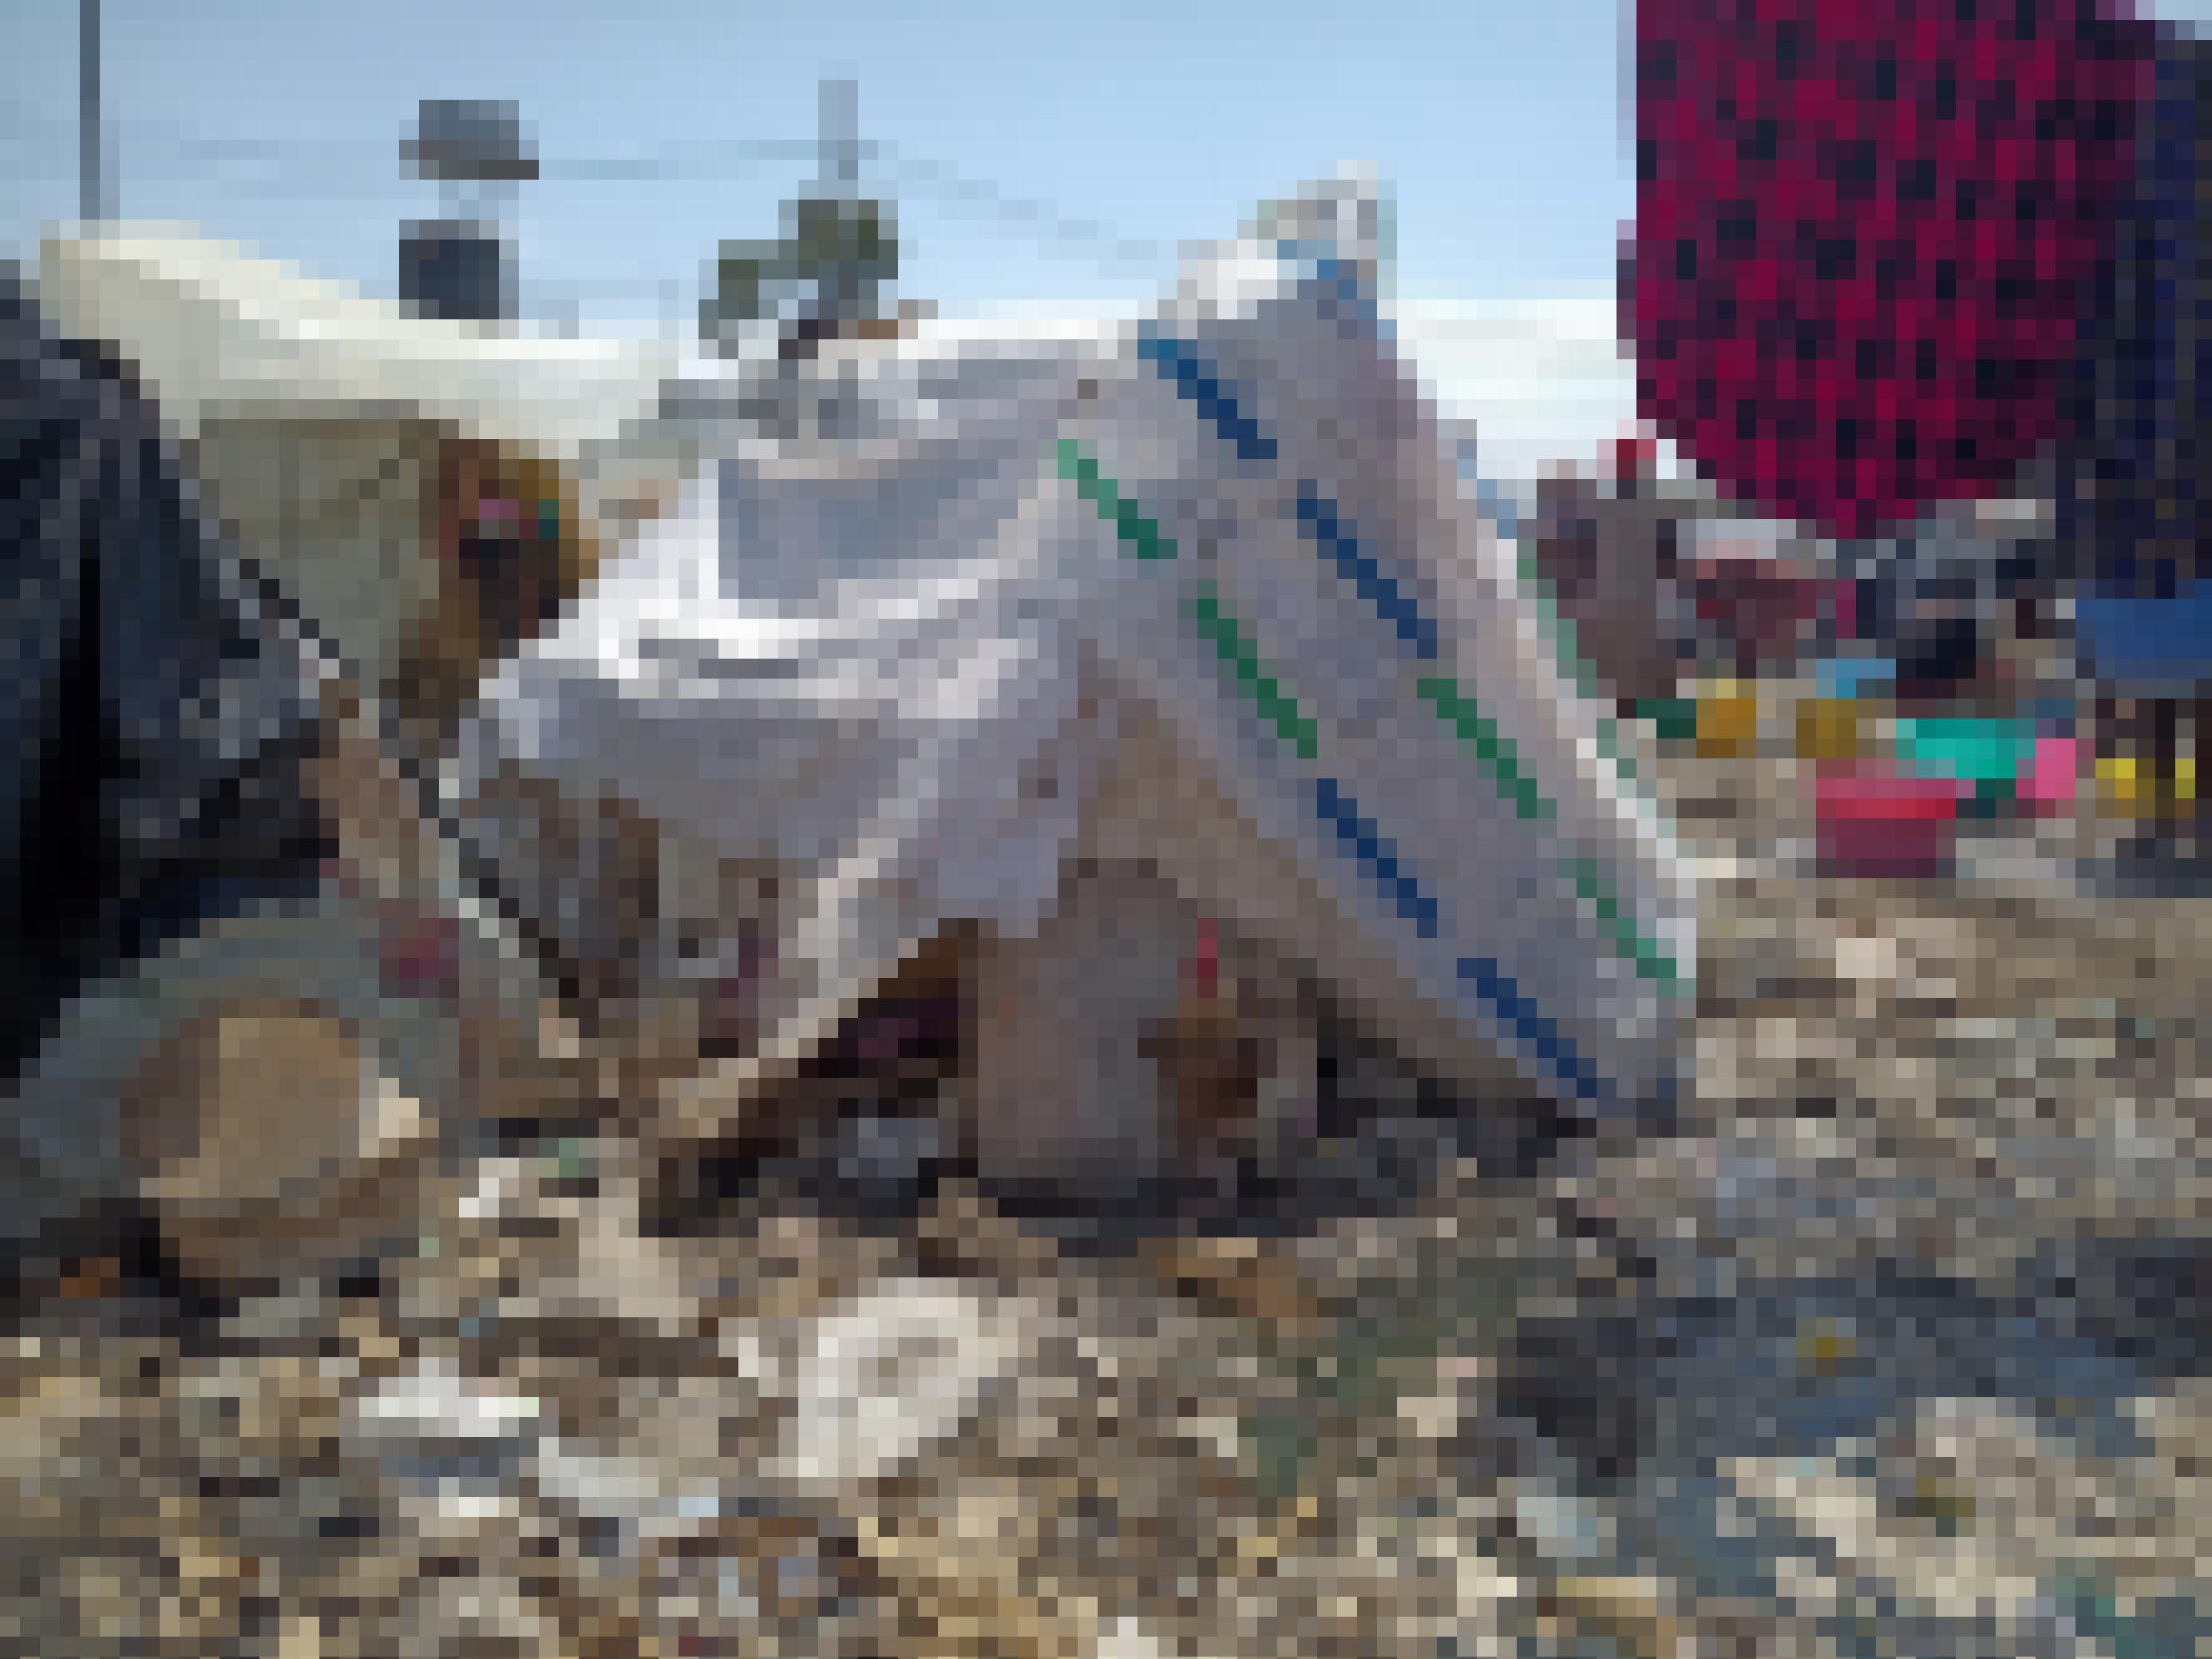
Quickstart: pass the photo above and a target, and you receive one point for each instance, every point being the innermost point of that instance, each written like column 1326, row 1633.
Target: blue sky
column 1500, row 128
column 1499, row 125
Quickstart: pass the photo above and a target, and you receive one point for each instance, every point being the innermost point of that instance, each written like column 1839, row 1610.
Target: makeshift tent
column 155, row 714
column 213, row 331
column 326, row 427
column 157, row 724
column 1200, row 594
column 181, row 772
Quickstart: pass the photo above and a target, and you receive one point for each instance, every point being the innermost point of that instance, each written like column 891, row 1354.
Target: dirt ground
column 1896, row 1345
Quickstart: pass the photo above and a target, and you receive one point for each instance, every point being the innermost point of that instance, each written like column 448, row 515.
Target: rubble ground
column 1894, row 1345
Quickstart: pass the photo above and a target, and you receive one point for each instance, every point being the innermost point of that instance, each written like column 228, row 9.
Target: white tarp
column 213, row 331
column 903, row 650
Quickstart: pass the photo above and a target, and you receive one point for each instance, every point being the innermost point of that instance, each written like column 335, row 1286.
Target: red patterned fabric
column 1863, row 232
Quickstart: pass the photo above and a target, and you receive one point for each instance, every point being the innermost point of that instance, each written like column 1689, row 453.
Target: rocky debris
column 270, row 1141
column 1889, row 1349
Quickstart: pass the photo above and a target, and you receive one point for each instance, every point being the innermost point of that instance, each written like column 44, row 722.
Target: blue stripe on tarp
column 1335, row 283
column 1491, row 498
column 1543, row 1038
column 1197, row 383
column 1346, row 298
column 1340, row 280
column 1379, row 855
column 1553, row 1050
column 1320, row 521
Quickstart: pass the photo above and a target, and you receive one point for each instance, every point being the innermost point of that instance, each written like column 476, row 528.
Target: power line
column 314, row 167
column 710, row 160
column 959, row 191
column 702, row 160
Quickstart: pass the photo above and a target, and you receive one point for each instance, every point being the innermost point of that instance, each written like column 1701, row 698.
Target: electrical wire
column 310, row 168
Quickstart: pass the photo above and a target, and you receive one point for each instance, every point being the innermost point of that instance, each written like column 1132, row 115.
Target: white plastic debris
column 894, row 1372
column 436, row 1402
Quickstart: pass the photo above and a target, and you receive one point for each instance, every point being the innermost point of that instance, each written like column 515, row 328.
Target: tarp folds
column 153, row 711
column 900, row 658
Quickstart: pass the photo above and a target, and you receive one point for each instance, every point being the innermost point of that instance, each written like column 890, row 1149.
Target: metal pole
column 839, row 293
column 91, row 206
column 840, row 116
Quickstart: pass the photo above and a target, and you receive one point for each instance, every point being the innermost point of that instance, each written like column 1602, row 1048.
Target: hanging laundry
column 1862, row 236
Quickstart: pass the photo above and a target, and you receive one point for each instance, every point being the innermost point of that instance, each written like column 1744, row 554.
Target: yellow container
column 1727, row 721
column 2122, row 786
column 1829, row 729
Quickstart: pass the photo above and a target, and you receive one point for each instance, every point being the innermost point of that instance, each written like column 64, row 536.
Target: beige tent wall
column 316, row 415
column 337, row 507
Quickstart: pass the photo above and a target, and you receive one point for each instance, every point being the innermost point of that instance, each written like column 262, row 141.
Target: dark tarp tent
column 155, row 714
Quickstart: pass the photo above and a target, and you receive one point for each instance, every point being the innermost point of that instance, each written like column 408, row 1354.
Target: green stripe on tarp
column 1560, row 627
column 1492, row 748
column 1496, row 753
column 1579, row 670
column 1230, row 644
column 1138, row 535
column 1143, row 538
column 1593, row 890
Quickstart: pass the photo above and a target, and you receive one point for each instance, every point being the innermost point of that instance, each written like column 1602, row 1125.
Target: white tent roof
column 211, row 328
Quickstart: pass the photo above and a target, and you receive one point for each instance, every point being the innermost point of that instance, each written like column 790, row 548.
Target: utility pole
column 846, row 239
column 91, row 206
column 839, row 106
column 840, row 138
column 839, row 248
